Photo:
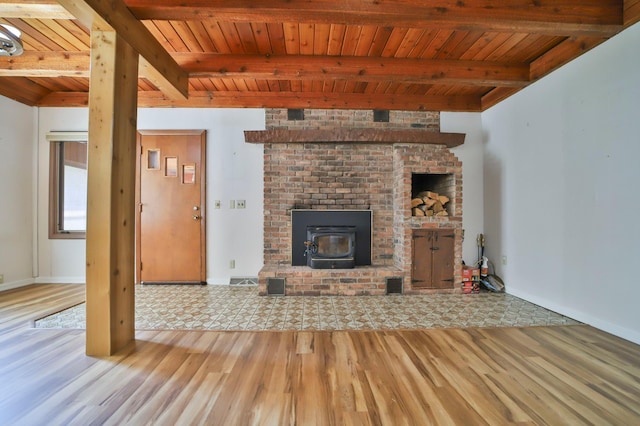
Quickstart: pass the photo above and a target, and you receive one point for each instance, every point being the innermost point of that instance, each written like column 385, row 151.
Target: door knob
column 196, row 217
column 196, row 208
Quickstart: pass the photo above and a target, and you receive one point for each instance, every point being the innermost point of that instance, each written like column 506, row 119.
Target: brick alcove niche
column 342, row 160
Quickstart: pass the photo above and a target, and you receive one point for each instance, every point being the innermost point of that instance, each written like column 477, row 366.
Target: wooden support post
column 111, row 196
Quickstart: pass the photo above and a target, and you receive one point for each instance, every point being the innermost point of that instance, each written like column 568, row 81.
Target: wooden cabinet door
column 442, row 259
column 421, row 258
column 433, row 251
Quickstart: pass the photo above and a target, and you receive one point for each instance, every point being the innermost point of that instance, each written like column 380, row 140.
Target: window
column 68, row 185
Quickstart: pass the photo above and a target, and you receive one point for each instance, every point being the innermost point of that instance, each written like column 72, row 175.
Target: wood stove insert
column 356, row 221
column 331, row 247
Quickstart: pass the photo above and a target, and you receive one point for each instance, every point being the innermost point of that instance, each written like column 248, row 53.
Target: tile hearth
column 164, row 307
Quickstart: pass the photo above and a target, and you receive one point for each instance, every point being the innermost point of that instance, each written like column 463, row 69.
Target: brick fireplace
column 342, row 160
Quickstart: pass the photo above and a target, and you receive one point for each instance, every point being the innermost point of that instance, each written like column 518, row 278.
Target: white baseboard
column 81, row 280
column 218, row 281
column 60, row 280
column 16, row 284
column 615, row 329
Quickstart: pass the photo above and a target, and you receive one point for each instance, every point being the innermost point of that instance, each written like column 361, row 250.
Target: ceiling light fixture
column 10, row 44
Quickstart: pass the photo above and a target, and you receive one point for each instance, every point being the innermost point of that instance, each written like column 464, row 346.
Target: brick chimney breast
column 376, row 176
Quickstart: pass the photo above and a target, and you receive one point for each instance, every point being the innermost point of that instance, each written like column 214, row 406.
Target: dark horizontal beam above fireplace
column 354, row 136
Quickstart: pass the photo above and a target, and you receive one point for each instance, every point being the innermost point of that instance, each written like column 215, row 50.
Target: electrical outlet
column 1, row 278
column 232, row 264
column 504, row 260
column 241, row 204
column 217, row 204
column 232, row 204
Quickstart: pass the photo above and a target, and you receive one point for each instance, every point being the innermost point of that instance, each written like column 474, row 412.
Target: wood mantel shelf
column 417, row 136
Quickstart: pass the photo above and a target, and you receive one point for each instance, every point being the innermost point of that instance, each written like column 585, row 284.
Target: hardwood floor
column 24, row 305
column 531, row 375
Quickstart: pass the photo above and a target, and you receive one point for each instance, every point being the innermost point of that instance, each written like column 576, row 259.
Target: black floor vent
column 275, row 286
column 394, row 285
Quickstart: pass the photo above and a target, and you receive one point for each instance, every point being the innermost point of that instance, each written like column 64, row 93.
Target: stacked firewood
column 428, row 203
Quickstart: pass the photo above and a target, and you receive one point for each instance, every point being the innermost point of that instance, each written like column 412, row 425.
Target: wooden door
column 442, row 260
column 432, row 259
column 171, row 202
column 421, row 258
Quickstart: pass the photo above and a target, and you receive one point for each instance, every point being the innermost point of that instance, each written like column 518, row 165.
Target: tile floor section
column 174, row 307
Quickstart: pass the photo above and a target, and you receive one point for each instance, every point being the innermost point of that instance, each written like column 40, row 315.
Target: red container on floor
column 466, row 273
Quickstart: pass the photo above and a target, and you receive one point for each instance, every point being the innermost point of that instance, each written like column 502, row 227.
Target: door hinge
column 141, row 266
column 450, row 280
column 140, row 207
column 449, row 236
column 417, row 281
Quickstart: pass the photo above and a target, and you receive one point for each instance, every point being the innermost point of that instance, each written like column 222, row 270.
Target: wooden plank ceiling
column 445, row 55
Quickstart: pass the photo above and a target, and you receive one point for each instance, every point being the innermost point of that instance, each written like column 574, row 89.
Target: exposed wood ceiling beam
column 582, row 24
column 200, row 65
column 295, row 67
column 97, row 14
column 561, row 54
column 496, row 95
column 568, row 17
column 25, row 93
column 34, row 9
column 285, row 100
column 631, row 12
column 47, row 64
column 550, row 61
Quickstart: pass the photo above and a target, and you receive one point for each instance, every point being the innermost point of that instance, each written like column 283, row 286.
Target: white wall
column 562, row 188
column 17, row 138
column 234, row 172
column 58, row 261
column 470, row 153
